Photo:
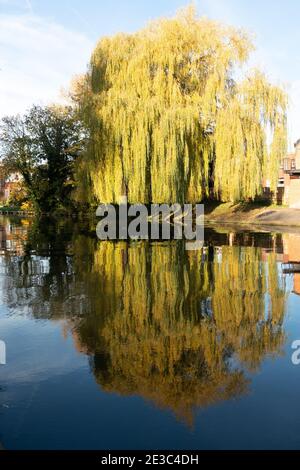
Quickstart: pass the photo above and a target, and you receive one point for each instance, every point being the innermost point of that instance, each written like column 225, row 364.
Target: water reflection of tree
column 182, row 329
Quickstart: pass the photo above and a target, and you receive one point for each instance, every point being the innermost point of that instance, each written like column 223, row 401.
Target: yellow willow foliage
column 164, row 321
column 166, row 116
column 249, row 310
column 242, row 158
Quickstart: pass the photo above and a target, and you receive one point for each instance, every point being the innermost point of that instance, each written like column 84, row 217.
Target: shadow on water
column 183, row 329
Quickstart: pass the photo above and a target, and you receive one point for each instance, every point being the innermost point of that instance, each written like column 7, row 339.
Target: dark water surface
column 147, row 345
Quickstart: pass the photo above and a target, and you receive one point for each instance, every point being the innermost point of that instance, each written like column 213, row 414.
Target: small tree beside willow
column 42, row 146
column 168, row 120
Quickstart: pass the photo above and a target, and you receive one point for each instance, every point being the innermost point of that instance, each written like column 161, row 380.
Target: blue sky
column 43, row 43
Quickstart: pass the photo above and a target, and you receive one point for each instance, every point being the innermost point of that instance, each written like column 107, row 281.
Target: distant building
column 7, row 184
column 2, row 187
column 289, row 178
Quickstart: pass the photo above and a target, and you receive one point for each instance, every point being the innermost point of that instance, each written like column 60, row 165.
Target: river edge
column 252, row 215
column 243, row 215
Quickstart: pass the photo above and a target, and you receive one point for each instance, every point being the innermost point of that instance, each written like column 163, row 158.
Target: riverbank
column 17, row 213
column 252, row 214
column 241, row 214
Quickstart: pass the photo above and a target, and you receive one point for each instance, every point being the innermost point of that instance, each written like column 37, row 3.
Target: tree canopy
column 42, row 146
column 169, row 121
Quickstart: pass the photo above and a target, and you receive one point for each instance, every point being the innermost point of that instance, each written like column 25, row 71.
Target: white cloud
column 37, row 59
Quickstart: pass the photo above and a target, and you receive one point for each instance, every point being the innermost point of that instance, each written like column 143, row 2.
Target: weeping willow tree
column 168, row 120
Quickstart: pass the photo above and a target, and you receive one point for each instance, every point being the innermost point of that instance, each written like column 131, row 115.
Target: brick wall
column 294, row 193
column 297, row 156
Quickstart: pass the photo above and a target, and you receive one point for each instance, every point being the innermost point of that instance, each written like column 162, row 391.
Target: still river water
column 147, row 345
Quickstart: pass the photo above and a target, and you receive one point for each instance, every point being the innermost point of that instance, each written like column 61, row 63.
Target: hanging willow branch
column 167, row 120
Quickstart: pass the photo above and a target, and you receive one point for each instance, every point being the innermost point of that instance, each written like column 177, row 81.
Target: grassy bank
column 252, row 213
column 218, row 213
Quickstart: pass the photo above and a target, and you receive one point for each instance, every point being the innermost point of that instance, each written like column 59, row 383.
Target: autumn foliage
column 169, row 121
